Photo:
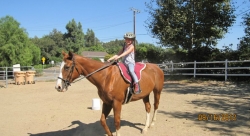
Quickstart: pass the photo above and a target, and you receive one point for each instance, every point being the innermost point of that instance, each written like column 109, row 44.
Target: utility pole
column 134, row 12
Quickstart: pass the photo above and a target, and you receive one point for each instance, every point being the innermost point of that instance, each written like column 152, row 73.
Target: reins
column 94, row 72
column 67, row 83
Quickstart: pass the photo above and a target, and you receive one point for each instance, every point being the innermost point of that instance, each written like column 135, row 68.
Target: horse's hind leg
column 105, row 112
column 147, row 108
column 156, row 104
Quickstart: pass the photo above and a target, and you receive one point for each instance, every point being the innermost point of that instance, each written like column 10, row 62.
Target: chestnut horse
column 112, row 86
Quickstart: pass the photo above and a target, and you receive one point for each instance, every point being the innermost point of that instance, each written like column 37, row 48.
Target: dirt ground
column 39, row 110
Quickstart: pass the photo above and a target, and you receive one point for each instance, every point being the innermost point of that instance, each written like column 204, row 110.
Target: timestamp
column 217, row 117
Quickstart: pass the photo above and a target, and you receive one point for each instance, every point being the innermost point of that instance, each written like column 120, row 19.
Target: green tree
column 108, row 56
column 51, row 45
column 244, row 45
column 57, row 37
column 189, row 24
column 90, row 38
column 35, row 53
column 141, row 51
column 95, row 48
column 151, row 53
column 15, row 46
column 46, row 45
column 74, row 38
column 113, row 47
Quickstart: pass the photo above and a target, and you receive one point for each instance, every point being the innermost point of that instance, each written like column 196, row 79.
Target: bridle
column 69, row 76
column 67, row 80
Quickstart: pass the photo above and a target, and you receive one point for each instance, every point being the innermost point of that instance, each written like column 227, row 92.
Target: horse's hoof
column 144, row 131
column 152, row 125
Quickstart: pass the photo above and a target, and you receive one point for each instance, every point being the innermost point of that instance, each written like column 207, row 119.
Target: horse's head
column 68, row 72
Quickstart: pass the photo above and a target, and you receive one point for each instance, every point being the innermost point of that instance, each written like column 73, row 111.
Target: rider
column 129, row 58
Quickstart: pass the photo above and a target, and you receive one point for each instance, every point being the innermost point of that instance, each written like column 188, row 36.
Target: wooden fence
column 214, row 68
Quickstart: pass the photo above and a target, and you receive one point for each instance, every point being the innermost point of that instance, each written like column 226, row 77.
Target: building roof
column 92, row 54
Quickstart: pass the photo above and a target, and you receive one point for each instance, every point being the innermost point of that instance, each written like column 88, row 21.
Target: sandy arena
column 39, row 110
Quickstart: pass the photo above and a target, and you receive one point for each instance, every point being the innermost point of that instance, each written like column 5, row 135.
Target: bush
column 96, row 59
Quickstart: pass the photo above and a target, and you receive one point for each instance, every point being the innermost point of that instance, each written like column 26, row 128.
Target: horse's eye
column 66, row 67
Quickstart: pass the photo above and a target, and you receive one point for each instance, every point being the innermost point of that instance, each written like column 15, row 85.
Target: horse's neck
column 89, row 66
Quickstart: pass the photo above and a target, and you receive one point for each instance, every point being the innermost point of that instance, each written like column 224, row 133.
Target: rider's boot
column 137, row 88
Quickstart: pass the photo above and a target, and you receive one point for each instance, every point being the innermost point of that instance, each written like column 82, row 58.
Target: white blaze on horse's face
column 60, row 85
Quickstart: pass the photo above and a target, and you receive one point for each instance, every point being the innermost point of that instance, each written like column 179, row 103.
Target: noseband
column 67, row 80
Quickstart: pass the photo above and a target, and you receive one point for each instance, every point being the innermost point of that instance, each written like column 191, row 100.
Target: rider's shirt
column 129, row 58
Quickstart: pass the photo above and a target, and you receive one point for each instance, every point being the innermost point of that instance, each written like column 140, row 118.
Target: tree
column 189, row 24
column 74, row 38
column 95, row 48
column 15, row 46
column 46, row 45
column 244, row 45
column 113, row 47
column 89, row 38
column 57, row 37
column 51, row 45
column 151, row 53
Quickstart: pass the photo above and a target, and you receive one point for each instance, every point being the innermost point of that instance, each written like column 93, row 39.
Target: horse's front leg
column 105, row 112
column 147, row 108
column 117, row 107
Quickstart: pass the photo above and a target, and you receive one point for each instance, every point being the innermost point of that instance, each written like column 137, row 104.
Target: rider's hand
column 117, row 57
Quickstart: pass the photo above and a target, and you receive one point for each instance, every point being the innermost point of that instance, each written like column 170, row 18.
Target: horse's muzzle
column 60, row 88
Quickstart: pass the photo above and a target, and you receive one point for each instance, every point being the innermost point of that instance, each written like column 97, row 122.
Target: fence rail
column 214, row 68
column 7, row 74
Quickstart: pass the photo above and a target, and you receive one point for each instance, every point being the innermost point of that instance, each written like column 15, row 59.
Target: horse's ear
column 70, row 55
column 63, row 53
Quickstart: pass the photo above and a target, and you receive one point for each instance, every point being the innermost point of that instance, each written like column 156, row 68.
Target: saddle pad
column 125, row 73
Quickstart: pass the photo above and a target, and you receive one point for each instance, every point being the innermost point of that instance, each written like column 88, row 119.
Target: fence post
column 172, row 65
column 226, row 70
column 194, row 68
column 6, row 77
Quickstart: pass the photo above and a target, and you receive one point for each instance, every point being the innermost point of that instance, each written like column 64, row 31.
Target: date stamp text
column 217, row 117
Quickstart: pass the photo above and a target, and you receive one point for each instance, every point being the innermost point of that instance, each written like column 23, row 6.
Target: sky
column 109, row 19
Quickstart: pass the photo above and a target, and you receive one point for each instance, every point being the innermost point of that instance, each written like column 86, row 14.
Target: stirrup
column 139, row 88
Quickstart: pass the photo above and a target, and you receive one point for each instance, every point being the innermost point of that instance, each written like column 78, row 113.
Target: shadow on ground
column 91, row 129
column 229, row 99
column 229, row 90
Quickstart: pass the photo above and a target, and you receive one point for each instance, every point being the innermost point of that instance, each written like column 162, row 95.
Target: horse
column 111, row 86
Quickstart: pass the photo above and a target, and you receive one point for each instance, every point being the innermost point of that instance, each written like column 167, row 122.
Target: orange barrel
column 19, row 77
column 30, row 77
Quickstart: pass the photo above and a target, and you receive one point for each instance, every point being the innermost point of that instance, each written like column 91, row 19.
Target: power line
column 243, row 3
column 85, row 21
column 243, row 12
column 109, row 26
column 118, row 37
column 100, row 27
column 108, row 17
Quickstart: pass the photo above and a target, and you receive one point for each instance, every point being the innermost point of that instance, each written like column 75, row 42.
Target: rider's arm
column 131, row 48
column 120, row 52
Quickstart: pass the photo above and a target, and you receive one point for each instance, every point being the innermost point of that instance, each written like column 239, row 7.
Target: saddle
column 127, row 77
column 125, row 72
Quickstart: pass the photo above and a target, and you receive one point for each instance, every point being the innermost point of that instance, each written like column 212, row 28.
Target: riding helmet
column 129, row 35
